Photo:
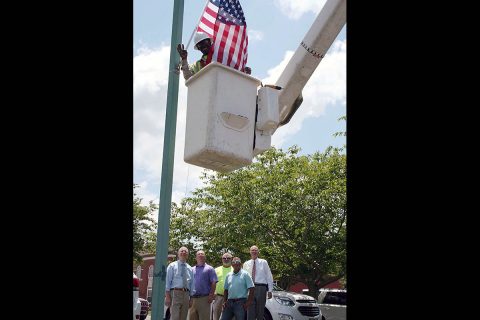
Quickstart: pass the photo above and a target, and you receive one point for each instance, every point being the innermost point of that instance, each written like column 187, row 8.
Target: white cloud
column 327, row 86
column 294, row 9
column 254, row 35
column 150, row 96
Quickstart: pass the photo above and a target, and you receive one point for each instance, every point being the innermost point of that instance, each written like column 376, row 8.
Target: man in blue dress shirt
column 179, row 286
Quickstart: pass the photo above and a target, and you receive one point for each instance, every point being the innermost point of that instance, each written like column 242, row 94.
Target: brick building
column 144, row 272
column 299, row 286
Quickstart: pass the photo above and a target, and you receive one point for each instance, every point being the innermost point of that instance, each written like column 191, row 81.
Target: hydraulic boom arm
column 308, row 55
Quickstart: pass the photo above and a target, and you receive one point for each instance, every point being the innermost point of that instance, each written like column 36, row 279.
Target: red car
column 136, row 301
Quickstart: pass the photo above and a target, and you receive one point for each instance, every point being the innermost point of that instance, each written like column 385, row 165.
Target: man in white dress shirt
column 263, row 280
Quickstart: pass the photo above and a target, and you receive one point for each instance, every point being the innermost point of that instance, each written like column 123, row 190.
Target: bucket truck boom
column 308, row 55
column 229, row 120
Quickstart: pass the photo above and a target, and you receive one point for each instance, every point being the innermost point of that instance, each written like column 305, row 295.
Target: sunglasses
column 227, row 258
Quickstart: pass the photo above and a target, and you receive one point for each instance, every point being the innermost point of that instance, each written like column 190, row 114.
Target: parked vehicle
column 166, row 313
column 137, row 305
column 286, row 305
column 333, row 303
column 144, row 309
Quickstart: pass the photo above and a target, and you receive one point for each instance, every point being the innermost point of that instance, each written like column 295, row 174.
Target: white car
column 137, row 305
column 286, row 305
column 333, row 303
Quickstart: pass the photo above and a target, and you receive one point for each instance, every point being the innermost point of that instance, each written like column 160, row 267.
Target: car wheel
column 266, row 315
column 323, row 318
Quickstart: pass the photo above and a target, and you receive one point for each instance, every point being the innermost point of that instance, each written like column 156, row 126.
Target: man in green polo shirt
column 222, row 272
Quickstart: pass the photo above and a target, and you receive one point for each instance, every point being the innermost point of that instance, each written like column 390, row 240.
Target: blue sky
column 275, row 30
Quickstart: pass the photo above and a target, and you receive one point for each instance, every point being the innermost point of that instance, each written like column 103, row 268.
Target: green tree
column 292, row 207
column 341, row 133
column 144, row 227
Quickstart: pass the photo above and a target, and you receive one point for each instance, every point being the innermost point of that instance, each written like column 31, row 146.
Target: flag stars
column 230, row 12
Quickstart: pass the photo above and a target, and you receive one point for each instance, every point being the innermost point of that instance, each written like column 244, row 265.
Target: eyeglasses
column 236, row 262
column 227, row 258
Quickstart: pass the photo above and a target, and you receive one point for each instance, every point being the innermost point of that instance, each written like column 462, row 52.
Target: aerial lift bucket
column 220, row 124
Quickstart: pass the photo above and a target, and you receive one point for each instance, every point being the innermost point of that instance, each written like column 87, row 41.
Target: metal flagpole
column 161, row 254
column 191, row 36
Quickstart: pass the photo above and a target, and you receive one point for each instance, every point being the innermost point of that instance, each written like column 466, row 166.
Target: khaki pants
column 200, row 309
column 179, row 307
column 217, row 307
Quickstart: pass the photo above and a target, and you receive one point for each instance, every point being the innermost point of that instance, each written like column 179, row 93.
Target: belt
column 180, row 289
column 235, row 300
column 261, row 285
column 200, row 295
column 218, row 294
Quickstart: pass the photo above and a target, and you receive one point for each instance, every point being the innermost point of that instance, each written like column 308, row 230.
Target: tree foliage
column 144, row 227
column 292, row 207
column 341, row 133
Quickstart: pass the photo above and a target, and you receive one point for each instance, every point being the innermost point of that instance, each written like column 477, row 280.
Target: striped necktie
column 184, row 275
column 254, row 270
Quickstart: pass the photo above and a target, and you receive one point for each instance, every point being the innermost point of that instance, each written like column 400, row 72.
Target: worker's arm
column 187, row 73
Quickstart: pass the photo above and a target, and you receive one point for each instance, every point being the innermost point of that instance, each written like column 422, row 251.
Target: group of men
column 233, row 290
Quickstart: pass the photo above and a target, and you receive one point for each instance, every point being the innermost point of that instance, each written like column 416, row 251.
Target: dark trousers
column 256, row 309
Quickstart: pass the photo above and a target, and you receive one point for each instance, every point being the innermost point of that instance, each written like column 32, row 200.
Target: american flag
column 224, row 21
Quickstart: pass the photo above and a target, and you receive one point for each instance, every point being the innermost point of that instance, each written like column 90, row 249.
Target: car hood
column 292, row 295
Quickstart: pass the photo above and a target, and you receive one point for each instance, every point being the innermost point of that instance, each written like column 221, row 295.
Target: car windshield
column 277, row 288
column 335, row 298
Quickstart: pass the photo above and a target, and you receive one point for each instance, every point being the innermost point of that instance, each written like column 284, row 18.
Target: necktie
column 184, row 275
column 253, row 271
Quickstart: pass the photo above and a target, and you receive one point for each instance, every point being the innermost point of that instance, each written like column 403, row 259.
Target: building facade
column 144, row 272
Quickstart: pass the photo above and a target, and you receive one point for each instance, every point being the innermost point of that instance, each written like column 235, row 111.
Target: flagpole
column 161, row 254
column 194, row 29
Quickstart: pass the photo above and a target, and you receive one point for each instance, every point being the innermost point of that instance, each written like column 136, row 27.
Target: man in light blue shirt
column 238, row 284
column 179, row 286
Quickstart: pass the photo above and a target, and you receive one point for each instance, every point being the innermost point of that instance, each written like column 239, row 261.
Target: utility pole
column 165, row 205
